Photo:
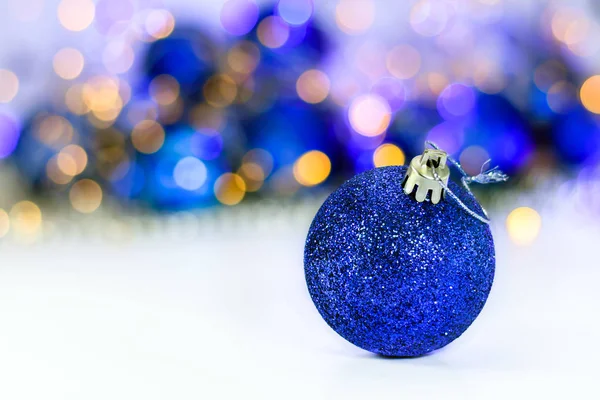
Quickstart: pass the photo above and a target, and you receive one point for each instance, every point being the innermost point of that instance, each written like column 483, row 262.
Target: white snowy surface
column 217, row 307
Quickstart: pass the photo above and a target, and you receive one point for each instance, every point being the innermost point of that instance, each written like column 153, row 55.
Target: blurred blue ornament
column 358, row 149
column 539, row 107
column 285, row 45
column 42, row 138
column 361, row 155
column 577, row 136
column 394, row 276
column 207, row 144
column 188, row 55
column 410, row 127
column 291, row 128
column 469, row 119
column 266, row 89
column 182, row 173
column 127, row 180
column 499, row 128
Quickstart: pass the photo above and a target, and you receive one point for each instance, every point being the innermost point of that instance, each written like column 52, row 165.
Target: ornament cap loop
column 425, row 173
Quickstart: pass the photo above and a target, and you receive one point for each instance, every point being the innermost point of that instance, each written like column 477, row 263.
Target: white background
column 217, row 307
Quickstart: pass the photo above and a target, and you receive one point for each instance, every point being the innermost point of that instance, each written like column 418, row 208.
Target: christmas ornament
column 577, row 137
column 52, row 149
column 400, row 261
column 284, row 44
column 502, row 129
column 181, row 175
column 289, row 129
column 188, row 55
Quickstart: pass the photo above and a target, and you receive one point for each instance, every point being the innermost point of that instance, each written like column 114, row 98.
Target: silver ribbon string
column 493, row 175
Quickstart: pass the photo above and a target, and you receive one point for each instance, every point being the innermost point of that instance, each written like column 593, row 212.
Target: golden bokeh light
column 388, row 154
column 76, row 15
column 523, row 225
column 369, row 115
column 243, row 58
column 68, row 63
column 4, row 223
column 253, row 175
column 159, row 24
column 273, row 32
column 354, row 17
column 262, row 158
column 570, row 26
column 26, row 218
column 97, row 123
column 55, row 174
column 164, row 89
column 230, row 189
column 577, row 32
column 72, row 160
column 109, row 115
column 313, row 86
column 101, row 94
column 9, row 85
column 437, row 82
column 54, row 131
column 85, row 196
column 74, row 100
column 148, row 136
column 403, row 61
column 220, row 91
column 66, row 164
column 253, row 171
column 312, row 168
column 590, row 94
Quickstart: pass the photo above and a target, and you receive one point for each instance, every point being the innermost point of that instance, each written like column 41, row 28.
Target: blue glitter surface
column 394, row 276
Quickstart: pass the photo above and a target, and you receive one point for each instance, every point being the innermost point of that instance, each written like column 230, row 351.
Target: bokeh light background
column 131, row 120
column 139, row 107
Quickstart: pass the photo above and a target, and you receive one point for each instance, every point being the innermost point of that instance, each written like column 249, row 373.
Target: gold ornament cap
column 422, row 173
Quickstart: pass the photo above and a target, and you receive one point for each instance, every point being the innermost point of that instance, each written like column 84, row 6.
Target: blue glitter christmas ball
column 394, row 276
